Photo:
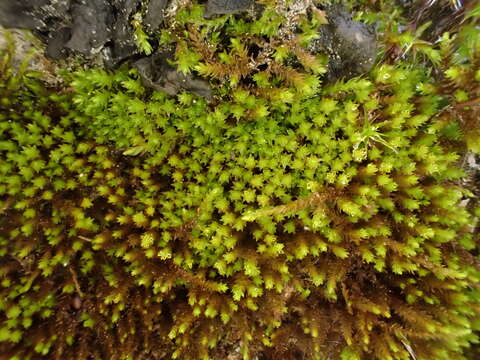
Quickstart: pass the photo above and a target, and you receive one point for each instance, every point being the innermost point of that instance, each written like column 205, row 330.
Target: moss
column 283, row 219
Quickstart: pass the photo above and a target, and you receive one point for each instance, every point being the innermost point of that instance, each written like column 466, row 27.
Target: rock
column 156, row 73
column 83, row 26
column 155, row 14
column 40, row 15
column 56, row 43
column 90, row 28
column 123, row 44
column 28, row 51
column 56, row 12
column 222, row 7
column 127, row 5
column 472, row 161
column 351, row 45
column 21, row 14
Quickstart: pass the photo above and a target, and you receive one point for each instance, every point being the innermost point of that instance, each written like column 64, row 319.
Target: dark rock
column 90, row 28
column 351, row 45
column 93, row 25
column 156, row 73
column 123, row 44
column 222, row 7
column 21, row 14
column 56, row 43
column 56, row 11
column 127, row 5
column 155, row 14
column 40, row 15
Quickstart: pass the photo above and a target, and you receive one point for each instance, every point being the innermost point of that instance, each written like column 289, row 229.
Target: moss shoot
column 285, row 218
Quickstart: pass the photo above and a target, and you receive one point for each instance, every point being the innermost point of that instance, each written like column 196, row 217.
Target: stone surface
column 41, row 15
column 56, row 43
column 123, row 44
column 155, row 14
column 222, row 7
column 158, row 74
column 28, row 51
column 351, row 45
column 80, row 26
column 21, row 14
column 56, row 12
column 90, row 27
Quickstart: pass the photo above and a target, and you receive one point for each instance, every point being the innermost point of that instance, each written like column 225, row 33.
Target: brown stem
column 468, row 103
column 6, row 205
column 75, row 281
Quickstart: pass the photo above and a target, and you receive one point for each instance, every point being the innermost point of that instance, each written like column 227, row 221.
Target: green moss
column 284, row 219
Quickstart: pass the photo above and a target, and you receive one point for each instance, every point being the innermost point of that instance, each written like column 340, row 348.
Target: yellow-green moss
column 281, row 220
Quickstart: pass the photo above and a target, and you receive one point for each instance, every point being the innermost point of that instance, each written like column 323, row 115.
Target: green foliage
column 283, row 219
column 462, row 84
column 141, row 38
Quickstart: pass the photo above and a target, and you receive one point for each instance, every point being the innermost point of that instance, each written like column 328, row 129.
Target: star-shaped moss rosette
column 283, row 218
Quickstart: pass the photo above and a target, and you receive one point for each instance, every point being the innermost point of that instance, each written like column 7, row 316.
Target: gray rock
column 22, row 14
column 155, row 14
column 83, row 26
column 156, row 73
column 41, row 15
column 351, row 45
column 123, row 44
column 127, row 5
column 56, row 12
column 56, row 43
column 222, row 7
column 90, row 28
column 29, row 49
